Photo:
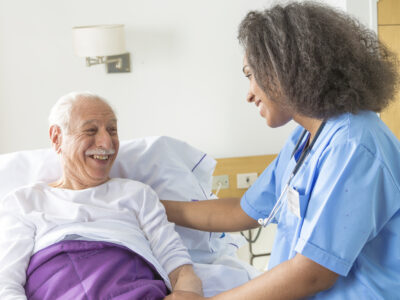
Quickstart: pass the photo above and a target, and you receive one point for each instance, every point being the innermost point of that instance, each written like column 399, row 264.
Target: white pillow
column 174, row 169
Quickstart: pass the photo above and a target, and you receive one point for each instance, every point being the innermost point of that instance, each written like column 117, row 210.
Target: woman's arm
column 296, row 278
column 210, row 215
column 183, row 278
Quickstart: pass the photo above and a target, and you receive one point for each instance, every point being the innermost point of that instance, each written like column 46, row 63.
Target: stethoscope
column 306, row 151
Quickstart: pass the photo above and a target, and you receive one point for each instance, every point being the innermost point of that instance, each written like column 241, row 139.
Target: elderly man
column 87, row 236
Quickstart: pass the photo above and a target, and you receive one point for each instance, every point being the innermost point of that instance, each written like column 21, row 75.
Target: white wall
column 186, row 78
column 366, row 11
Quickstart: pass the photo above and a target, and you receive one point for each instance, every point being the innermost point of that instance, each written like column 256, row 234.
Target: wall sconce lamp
column 102, row 44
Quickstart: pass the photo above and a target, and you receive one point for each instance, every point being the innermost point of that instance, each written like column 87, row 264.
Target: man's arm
column 183, row 278
column 16, row 246
column 221, row 215
column 296, row 278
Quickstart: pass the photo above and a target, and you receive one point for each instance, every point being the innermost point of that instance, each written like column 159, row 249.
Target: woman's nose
column 250, row 97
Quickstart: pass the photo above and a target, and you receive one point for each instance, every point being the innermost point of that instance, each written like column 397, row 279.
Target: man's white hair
column 60, row 113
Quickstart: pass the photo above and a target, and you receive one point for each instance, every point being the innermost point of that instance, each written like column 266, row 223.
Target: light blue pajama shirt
column 349, row 195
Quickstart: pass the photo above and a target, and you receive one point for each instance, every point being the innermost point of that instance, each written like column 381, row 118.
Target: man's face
column 91, row 144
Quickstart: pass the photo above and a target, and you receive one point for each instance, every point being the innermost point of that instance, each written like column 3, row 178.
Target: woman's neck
column 310, row 124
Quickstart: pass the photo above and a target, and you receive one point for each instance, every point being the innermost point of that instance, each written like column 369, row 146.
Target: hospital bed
column 176, row 171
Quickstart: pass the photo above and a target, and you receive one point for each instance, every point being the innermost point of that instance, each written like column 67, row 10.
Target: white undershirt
column 120, row 211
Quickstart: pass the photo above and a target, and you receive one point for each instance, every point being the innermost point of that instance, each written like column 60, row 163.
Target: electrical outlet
column 220, row 180
column 245, row 180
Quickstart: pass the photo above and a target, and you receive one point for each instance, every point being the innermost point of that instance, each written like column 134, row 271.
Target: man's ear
column 56, row 137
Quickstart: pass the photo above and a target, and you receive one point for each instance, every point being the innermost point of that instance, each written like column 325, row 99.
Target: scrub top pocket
column 290, row 224
column 297, row 202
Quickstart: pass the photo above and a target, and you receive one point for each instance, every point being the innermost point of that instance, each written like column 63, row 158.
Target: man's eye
column 90, row 131
column 112, row 130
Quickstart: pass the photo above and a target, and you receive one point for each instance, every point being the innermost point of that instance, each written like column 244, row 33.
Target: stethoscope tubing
column 279, row 203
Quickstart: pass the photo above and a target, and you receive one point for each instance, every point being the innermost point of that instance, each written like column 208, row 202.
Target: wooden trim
column 236, row 165
column 389, row 34
column 388, row 12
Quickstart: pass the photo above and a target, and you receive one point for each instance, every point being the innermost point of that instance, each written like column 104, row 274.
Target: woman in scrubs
column 334, row 189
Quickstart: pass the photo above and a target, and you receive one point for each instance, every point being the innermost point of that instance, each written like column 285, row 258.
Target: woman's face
column 273, row 112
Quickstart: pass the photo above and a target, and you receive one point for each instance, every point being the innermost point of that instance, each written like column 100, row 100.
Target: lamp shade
column 99, row 40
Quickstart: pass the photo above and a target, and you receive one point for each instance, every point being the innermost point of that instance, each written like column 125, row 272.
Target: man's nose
column 104, row 139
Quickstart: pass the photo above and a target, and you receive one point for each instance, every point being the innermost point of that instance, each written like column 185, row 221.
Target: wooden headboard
column 238, row 165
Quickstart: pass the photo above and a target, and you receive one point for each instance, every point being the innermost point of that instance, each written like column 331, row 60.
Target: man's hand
column 183, row 278
column 183, row 295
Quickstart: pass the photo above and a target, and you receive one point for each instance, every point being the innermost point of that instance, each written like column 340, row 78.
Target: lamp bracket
column 118, row 63
column 114, row 64
column 91, row 61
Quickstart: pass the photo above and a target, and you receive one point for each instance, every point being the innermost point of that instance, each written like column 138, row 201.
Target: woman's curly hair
column 317, row 60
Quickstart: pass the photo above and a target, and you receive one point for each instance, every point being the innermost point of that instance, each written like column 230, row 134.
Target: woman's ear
column 56, row 137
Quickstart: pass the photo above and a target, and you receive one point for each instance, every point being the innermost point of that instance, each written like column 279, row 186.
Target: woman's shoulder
column 365, row 129
column 366, row 133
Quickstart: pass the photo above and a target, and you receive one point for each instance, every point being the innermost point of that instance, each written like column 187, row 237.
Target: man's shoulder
column 128, row 189
column 22, row 194
column 28, row 188
column 126, row 183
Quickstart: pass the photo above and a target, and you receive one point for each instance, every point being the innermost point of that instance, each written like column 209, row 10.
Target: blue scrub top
column 349, row 193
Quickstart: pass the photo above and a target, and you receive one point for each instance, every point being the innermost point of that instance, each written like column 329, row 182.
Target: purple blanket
column 91, row 271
